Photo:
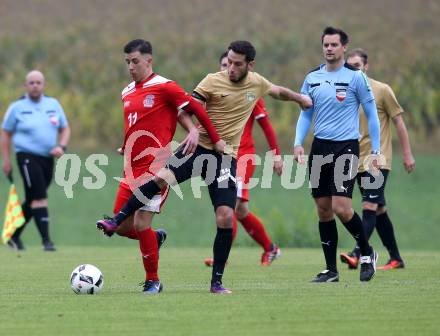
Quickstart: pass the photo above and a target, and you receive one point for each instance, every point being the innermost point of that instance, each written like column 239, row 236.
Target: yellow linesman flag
column 14, row 217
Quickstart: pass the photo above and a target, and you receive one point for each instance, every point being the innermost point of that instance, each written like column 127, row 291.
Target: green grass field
column 35, row 298
column 289, row 215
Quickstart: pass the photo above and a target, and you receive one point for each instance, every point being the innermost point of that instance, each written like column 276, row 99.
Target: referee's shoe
column 368, row 266
column 326, row 276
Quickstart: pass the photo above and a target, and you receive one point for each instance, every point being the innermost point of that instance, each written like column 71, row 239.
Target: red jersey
column 150, row 118
column 247, row 144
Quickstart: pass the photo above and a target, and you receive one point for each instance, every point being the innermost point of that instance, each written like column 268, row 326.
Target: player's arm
column 271, row 138
column 283, row 93
column 373, row 124
column 63, row 140
column 192, row 139
column 302, row 128
column 394, row 110
column 7, row 130
column 402, row 133
column 5, row 140
column 64, row 133
column 197, row 109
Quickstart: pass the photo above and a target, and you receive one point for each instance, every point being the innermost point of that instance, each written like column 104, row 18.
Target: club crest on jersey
column 149, row 100
column 54, row 120
column 250, row 96
column 341, row 94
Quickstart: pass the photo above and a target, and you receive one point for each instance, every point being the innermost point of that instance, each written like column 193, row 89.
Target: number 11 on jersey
column 132, row 118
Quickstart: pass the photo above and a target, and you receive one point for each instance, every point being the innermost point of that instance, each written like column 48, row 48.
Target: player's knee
column 164, row 178
column 325, row 214
column 381, row 210
column 342, row 211
column 369, row 206
column 224, row 217
column 241, row 211
column 39, row 203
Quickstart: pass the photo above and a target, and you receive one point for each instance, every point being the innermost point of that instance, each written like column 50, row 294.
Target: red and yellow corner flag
column 14, row 217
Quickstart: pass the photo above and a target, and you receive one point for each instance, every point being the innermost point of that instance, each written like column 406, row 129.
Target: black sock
column 386, row 233
column 148, row 189
column 41, row 217
column 329, row 242
column 356, row 251
column 27, row 213
column 221, row 249
column 354, row 226
column 369, row 222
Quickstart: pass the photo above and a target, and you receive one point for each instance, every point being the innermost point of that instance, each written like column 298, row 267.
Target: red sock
column 149, row 252
column 132, row 234
column 234, row 228
column 256, row 230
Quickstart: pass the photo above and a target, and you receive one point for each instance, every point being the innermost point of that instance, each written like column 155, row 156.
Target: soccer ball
column 86, row 279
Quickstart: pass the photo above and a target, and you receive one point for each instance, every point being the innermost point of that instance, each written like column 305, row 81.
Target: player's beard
column 243, row 76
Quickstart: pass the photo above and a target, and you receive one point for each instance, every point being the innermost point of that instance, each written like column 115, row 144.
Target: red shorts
column 124, row 193
column 245, row 170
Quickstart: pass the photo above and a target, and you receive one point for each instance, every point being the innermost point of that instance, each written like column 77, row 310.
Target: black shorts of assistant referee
column 218, row 171
column 370, row 192
column 333, row 167
column 37, row 173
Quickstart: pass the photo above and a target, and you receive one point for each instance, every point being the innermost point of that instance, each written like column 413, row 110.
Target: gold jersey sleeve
column 229, row 105
column 387, row 108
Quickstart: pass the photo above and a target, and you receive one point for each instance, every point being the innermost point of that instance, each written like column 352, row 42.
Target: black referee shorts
column 218, row 172
column 333, row 167
column 370, row 192
column 37, row 173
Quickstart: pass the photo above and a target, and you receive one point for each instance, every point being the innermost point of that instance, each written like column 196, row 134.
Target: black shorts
column 37, row 173
column 218, row 172
column 333, row 167
column 373, row 188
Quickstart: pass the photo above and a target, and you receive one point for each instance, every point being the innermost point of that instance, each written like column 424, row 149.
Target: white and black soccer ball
column 86, row 279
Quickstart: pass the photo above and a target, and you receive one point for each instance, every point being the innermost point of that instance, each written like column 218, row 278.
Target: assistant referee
column 37, row 127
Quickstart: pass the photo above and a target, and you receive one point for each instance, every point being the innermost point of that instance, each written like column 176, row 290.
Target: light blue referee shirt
column 34, row 124
column 336, row 97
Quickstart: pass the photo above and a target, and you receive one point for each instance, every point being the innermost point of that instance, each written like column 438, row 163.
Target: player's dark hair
column 144, row 47
column 343, row 37
column 244, row 48
column 358, row 52
column 225, row 54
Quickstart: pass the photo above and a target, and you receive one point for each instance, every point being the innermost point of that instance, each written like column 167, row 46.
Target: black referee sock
column 148, row 189
column 27, row 213
column 386, row 233
column 41, row 217
column 329, row 241
column 356, row 229
column 221, row 249
column 369, row 222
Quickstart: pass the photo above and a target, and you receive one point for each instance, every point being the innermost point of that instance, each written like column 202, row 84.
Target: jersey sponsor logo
column 250, row 96
column 341, row 94
column 127, row 103
column 149, row 100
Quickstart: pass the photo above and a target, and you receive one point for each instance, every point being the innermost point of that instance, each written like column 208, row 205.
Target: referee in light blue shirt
column 37, row 127
column 337, row 90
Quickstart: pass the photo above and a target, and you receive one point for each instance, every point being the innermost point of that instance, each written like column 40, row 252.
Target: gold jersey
column 229, row 105
column 387, row 108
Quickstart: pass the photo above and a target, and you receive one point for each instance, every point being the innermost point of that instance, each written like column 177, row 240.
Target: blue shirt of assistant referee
column 34, row 124
column 336, row 97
